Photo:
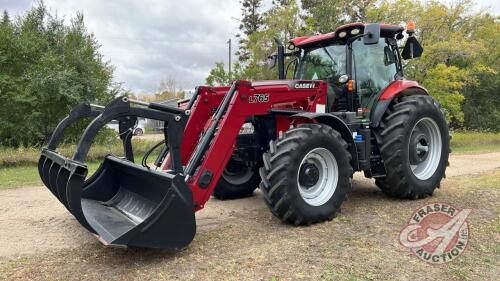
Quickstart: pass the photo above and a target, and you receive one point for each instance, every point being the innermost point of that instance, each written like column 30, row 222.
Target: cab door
column 374, row 68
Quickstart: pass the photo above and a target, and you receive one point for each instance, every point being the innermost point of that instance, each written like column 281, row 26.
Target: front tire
column 306, row 174
column 414, row 143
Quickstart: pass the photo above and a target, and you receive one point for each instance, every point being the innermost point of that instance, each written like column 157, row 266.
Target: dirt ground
column 240, row 239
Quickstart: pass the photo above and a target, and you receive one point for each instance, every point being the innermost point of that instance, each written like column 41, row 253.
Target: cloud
column 150, row 40
column 15, row 6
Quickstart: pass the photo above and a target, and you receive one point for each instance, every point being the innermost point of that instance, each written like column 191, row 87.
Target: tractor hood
column 293, row 84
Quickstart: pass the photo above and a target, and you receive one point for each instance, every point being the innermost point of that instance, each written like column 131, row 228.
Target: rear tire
column 306, row 174
column 237, row 181
column 414, row 143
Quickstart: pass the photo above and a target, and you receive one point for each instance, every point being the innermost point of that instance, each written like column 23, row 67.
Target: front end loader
column 122, row 203
column 347, row 109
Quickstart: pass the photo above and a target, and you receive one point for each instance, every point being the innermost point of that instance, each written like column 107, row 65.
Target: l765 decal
column 256, row 98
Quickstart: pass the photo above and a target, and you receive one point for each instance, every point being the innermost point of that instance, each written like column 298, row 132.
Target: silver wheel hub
column 318, row 176
column 424, row 148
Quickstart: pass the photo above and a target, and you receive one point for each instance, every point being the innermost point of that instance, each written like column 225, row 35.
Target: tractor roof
column 386, row 30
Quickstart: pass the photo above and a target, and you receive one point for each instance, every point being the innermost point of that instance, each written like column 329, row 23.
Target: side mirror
column 271, row 60
column 371, row 34
column 412, row 48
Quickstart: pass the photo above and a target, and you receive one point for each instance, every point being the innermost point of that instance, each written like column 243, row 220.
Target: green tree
column 482, row 106
column 282, row 21
column 459, row 66
column 446, row 83
column 218, row 75
column 460, row 62
column 46, row 67
column 324, row 16
column 250, row 22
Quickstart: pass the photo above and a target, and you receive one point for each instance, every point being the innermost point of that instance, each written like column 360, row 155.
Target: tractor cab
column 357, row 60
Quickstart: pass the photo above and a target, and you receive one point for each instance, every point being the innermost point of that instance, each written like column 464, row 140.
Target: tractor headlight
column 342, row 34
column 247, row 129
column 355, row 31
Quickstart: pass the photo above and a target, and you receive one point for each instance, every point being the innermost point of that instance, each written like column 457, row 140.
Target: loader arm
column 220, row 130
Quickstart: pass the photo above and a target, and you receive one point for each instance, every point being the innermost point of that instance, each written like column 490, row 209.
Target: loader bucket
column 122, row 203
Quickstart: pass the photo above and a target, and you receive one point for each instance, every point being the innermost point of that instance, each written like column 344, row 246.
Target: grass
column 11, row 157
column 27, row 175
column 465, row 142
column 19, row 176
column 18, row 166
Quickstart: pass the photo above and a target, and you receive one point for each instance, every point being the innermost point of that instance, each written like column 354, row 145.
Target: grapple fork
column 123, row 204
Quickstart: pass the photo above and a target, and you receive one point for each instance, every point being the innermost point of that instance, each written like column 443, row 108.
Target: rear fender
column 397, row 88
column 337, row 124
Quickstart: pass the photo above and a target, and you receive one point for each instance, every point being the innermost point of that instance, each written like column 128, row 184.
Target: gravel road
column 32, row 221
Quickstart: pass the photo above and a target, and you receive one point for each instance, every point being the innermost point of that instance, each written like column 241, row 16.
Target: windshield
column 324, row 63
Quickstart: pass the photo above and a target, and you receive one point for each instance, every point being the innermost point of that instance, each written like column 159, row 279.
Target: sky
column 148, row 41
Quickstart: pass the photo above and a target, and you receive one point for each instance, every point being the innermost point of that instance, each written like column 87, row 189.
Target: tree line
column 460, row 64
column 46, row 67
column 48, row 64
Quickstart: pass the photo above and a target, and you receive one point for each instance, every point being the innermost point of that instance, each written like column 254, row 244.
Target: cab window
column 374, row 68
column 326, row 63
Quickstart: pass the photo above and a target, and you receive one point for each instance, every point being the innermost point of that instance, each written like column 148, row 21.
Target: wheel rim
column 237, row 173
column 318, row 176
column 424, row 148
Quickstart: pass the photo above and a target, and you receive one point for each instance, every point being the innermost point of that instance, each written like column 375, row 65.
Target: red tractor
column 347, row 109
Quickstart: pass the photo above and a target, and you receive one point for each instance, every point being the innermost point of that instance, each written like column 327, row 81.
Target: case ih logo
column 308, row 85
column 437, row 233
column 258, row 98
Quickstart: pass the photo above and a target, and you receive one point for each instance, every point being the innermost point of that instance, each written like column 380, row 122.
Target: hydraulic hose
column 145, row 157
